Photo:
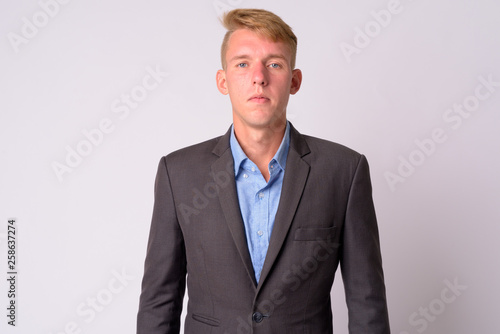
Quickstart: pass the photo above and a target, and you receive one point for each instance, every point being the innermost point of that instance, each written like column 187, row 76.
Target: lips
column 259, row 98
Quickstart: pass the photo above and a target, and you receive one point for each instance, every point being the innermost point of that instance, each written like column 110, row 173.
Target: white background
column 77, row 234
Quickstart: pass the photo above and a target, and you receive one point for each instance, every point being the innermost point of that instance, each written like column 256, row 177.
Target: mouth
column 258, row 98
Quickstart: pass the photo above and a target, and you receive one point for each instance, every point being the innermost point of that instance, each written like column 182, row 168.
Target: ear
column 296, row 81
column 221, row 82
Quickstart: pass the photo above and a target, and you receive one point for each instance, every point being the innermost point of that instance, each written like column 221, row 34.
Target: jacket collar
column 297, row 142
column 294, row 182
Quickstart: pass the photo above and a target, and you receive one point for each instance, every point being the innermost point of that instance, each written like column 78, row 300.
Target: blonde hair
column 261, row 22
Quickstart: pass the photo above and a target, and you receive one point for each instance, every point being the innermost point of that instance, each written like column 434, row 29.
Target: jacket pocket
column 314, row 233
column 206, row 320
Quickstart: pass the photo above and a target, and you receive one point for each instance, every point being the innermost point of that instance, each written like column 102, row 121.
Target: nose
column 260, row 75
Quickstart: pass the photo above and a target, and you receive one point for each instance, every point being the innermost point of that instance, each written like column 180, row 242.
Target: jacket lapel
column 294, row 181
column 228, row 198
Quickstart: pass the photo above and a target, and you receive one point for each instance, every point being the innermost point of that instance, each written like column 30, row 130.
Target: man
column 260, row 218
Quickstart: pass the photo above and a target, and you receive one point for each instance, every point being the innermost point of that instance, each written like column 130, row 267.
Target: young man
column 260, row 218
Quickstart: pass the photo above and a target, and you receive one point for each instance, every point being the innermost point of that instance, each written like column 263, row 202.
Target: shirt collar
column 239, row 156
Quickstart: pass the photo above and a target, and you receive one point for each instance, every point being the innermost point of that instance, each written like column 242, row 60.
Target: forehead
column 249, row 43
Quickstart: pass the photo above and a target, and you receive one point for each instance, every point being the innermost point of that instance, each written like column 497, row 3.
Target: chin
column 262, row 118
column 265, row 123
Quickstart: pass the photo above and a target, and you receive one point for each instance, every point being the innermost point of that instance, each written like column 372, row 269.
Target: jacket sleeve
column 164, row 280
column 361, row 261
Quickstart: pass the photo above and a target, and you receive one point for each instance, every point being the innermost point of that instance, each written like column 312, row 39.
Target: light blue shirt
column 259, row 199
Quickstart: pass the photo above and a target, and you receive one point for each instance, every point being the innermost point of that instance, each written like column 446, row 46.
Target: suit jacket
column 325, row 218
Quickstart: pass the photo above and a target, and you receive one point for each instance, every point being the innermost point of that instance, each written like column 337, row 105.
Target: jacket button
column 257, row 317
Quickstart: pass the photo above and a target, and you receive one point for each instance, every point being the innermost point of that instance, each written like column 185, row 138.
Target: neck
column 260, row 144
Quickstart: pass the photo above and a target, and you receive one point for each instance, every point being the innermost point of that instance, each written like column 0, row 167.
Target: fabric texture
column 325, row 218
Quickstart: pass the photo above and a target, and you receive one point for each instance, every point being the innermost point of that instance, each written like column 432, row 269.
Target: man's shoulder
column 325, row 144
column 328, row 148
column 194, row 153
column 306, row 144
column 329, row 155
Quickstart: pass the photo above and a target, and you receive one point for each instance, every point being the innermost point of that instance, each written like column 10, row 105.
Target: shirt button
column 245, row 176
column 258, row 317
column 253, row 169
column 260, row 233
column 272, row 166
column 261, row 195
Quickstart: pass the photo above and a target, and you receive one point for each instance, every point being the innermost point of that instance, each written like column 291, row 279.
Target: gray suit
column 325, row 217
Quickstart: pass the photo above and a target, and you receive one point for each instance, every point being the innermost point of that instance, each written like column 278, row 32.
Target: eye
column 275, row 65
column 242, row 65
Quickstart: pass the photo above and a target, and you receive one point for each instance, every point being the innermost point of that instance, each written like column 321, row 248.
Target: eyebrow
column 271, row 56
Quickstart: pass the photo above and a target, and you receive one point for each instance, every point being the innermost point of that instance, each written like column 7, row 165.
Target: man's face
column 258, row 79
